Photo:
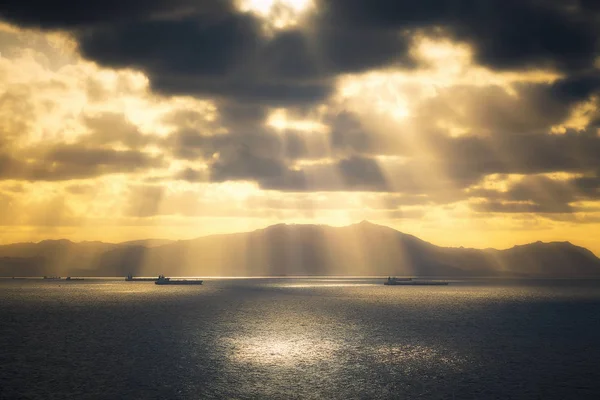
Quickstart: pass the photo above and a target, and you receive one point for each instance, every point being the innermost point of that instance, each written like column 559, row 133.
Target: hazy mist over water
column 299, row 338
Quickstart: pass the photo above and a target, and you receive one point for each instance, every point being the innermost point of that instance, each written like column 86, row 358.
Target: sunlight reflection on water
column 281, row 351
column 299, row 339
column 425, row 354
column 320, row 285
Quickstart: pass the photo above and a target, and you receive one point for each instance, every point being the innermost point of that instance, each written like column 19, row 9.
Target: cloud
column 192, row 144
column 113, row 128
column 540, row 194
column 16, row 115
column 362, row 174
column 521, row 154
column 520, row 207
column 74, row 14
column 81, row 189
column 223, row 57
column 66, row 162
column 588, row 186
column 245, row 163
column 505, row 34
column 191, row 175
column 442, row 168
column 348, row 135
column 532, row 194
column 213, row 49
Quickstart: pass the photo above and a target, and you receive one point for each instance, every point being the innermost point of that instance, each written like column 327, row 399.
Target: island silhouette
column 363, row 249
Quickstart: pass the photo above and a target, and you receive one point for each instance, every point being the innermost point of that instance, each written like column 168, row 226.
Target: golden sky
column 183, row 120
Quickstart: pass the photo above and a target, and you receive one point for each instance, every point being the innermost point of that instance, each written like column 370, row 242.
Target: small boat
column 130, row 278
column 73, row 279
column 410, row 282
column 54, row 278
column 168, row 281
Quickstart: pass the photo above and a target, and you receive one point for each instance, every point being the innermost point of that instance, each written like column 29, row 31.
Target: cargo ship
column 411, row 282
column 54, row 278
column 168, row 281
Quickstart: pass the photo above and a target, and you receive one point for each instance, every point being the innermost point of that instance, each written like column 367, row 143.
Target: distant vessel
column 73, row 279
column 168, row 281
column 410, row 282
column 131, row 278
column 52, row 277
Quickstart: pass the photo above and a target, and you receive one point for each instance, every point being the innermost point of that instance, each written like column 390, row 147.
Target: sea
column 299, row 338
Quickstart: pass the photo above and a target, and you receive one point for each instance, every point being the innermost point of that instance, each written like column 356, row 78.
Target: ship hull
column 141, row 279
column 413, row 283
column 178, row 282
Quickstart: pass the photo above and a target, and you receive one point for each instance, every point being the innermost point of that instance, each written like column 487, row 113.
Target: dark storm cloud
column 254, row 155
column 464, row 161
column 304, row 145
column 507, row 34
column 362, row 174
column 351, row 50
column 61, row 14
column 588, row 185
column 244, row 163
column 348, row 135
column 539, row 194
column 185, row 47
column 575, row 88
column 521, row 154
column 240, row 115
column 541, row 190
column 224, row 57
column 209, row 48
column 193, row 145
column 268, row 158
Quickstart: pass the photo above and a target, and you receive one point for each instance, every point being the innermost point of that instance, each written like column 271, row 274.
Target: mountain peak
column 365, row 223
column 56, row 241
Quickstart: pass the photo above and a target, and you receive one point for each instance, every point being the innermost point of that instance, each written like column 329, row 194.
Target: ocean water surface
column 299, row 338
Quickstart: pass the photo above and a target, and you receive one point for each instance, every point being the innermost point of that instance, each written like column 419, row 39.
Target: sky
column 464, row 122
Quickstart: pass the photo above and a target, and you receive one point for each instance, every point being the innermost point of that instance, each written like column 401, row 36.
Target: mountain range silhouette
column 363, row 249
